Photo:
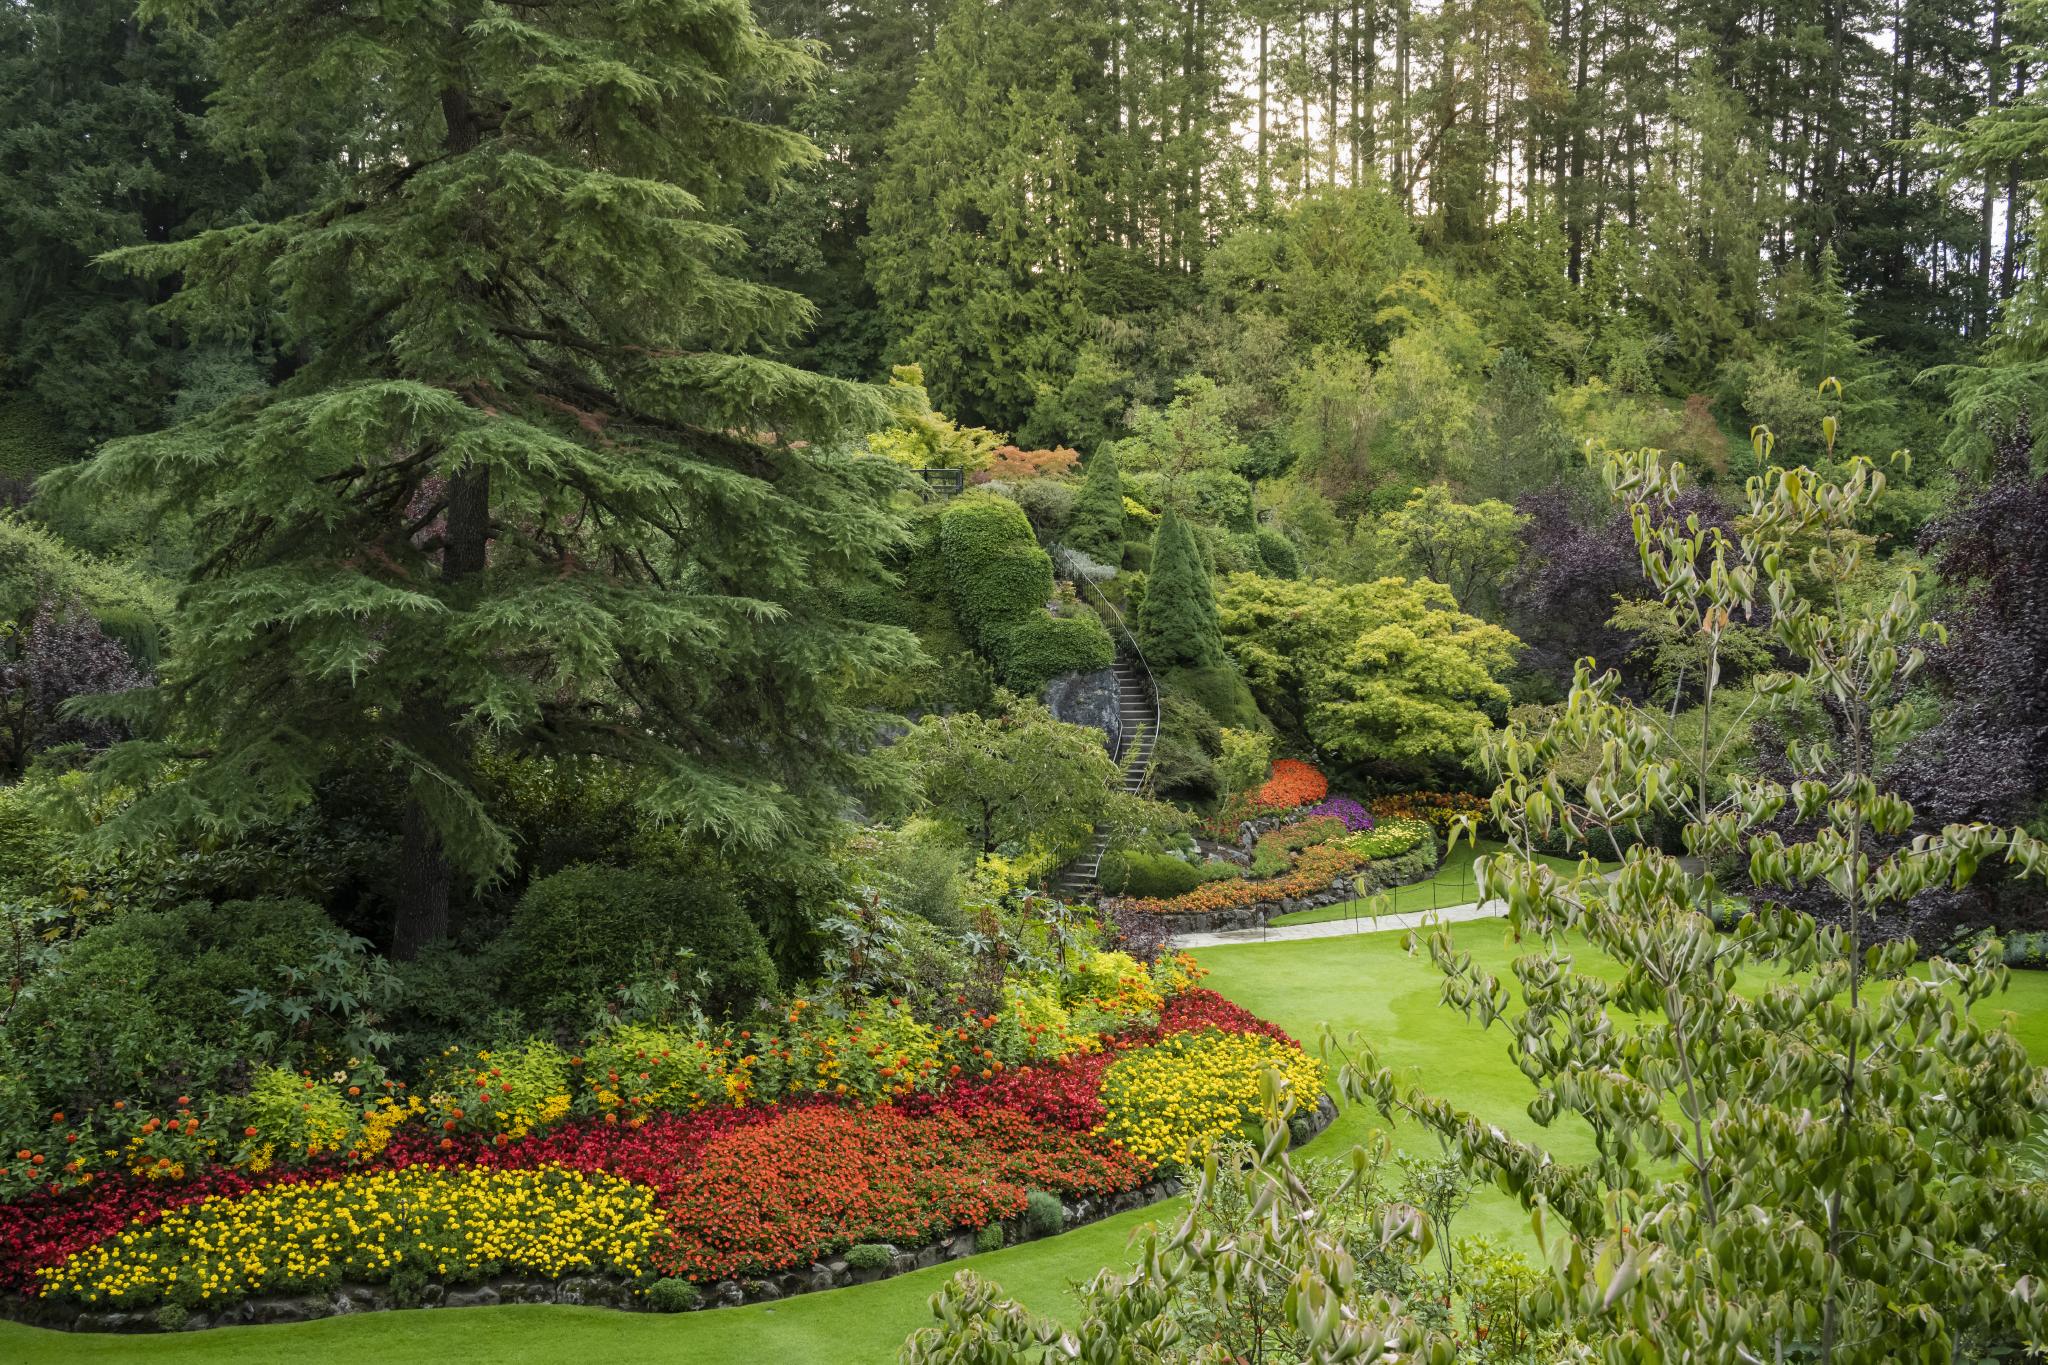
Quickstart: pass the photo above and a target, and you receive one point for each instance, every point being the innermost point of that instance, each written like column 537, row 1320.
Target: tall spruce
column 1177, row 627
column 1096, row 528
column 530, row 484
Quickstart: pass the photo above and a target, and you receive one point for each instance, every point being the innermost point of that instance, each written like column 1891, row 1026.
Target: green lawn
column 1364, row 982
column 1453, row 884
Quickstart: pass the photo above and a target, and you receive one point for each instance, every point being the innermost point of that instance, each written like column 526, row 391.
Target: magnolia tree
column 1806, row 1147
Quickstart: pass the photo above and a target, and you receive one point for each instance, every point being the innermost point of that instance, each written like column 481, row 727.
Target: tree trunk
column 425, row 876
column 423, row 881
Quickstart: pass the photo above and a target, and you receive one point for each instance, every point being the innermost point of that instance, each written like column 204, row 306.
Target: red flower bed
column 747, row 1191
column 1292, row 784
column 779, row 1195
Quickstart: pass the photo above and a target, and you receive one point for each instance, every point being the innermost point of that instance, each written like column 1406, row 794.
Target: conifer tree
column 1177, row 626
column 1096, row 528
column 530, row 483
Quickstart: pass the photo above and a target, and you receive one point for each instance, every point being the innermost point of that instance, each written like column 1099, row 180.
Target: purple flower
column 1354, row 816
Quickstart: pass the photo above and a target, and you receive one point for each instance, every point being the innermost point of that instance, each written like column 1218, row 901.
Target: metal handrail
column 1151, row 683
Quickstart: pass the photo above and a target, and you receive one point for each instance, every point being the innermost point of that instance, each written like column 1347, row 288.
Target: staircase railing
column 1130, row 645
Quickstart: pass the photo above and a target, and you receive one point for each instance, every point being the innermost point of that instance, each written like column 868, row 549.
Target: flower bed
column 1313, row 871
column 1293, row 783
column 1437, row 809
column 1355, row 817
column 652, row 1175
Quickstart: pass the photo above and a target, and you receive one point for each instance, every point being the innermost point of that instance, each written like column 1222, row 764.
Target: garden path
column 1362, row 924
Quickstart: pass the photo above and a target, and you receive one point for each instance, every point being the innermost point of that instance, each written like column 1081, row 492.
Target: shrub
column 989, row 1238
column 1313, row 871
column 995, row 573
column 1043, row 1214
column 671, row 1295
column 1096, row 527
column 866, row 1256
column 1008, row 464
column 1039, row 648
column 1131, row 873
column 501, row 1093
column 1048, row 504
column 1278, row 554
column 180, row 1001
column 579, row 934
column 1177, row 626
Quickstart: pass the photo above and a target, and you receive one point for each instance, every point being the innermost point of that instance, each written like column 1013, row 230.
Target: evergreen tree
column 101, row 147
column 1177, row 627
column 1096, row 528
column 529, row 483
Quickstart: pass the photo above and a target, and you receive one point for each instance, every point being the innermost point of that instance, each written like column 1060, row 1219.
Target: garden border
column 1384, row 873
column 604, row 1291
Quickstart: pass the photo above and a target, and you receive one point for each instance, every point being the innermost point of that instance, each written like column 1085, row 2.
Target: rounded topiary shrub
column 990, row 1238
column 579, row 933
column 1126, row 873
column 996, row 574
column 866, row 1256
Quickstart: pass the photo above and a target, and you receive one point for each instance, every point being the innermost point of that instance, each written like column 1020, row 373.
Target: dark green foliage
column 1177, row 627
column 1040, row 648
column 32, row 440
column 27, row 840
column 1184, row 762
column 1043, row 1214
column 102, row 146
column 487, row 503
column 1219, row 691
column 1278, row 554
column 994, row 570
column 989, row 1238
column 672, row 1295
column 1096, row 527
column 580, row 935
column 1131, row 873
column 1000, row 583
column 159, row 1003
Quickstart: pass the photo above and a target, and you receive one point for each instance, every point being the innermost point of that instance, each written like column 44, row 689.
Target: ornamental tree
column 1805, row 1147
column 1177, row 624
column 1388, row 670
column 1096, row 528
column 1018, row 776
column 1468, row 547
column 529, row 476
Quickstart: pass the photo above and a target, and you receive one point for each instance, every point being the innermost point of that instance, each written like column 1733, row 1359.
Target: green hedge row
column 1000, row 583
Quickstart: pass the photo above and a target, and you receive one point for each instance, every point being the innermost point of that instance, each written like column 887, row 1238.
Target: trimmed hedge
column 1000, row 582
column 1130, row 873
column 1040, row 648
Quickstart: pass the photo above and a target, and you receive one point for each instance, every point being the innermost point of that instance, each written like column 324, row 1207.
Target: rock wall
column 1087, row 699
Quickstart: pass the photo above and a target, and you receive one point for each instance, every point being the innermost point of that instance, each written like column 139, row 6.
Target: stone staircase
column 1137, row 736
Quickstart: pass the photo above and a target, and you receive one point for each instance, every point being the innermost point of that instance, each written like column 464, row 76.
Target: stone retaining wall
column 605, row 1291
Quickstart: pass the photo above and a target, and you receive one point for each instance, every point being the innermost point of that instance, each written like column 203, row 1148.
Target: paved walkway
column 1367, row 924
column 1339, row 928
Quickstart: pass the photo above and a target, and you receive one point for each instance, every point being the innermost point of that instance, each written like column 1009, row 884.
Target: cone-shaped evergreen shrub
column 1096, row 527
column 1177, row 626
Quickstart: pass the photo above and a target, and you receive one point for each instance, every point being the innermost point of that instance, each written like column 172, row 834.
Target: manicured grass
column 1453, row 884
column 1367, row 983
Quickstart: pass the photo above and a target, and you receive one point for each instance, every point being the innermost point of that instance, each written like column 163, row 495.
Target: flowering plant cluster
column 1356, row 818
column 1437, row 809
column 1293, row 783
column 1168, row 1103
column 547, row 1221
column 653, row 1152
column 1314, row 869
